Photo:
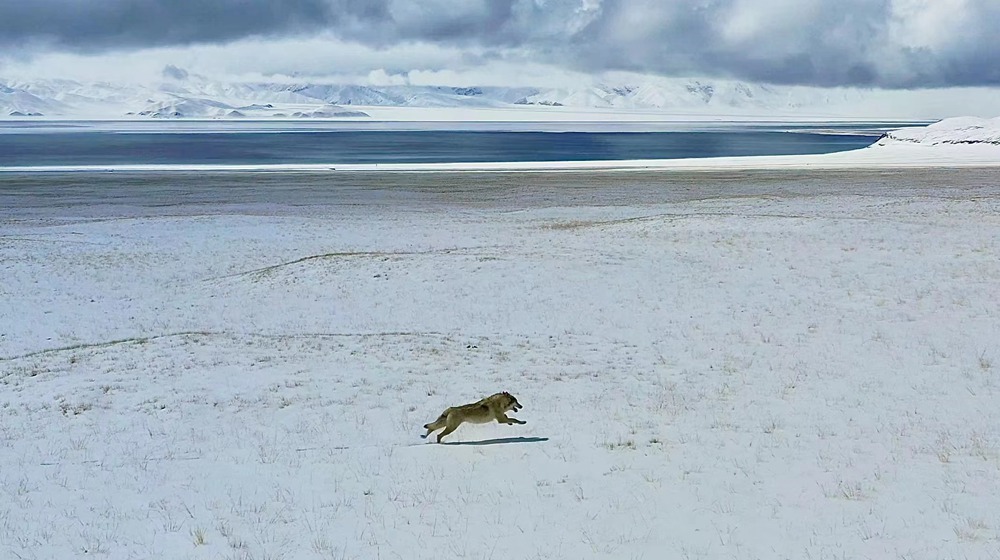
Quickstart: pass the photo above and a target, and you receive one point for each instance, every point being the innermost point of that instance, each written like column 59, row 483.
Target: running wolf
column 491, row 408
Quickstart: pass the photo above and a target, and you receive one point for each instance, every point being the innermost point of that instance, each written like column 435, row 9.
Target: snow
column 956, row 130
column 654, row 98
column 18, row 103
column 784, row 357
column 784, row 364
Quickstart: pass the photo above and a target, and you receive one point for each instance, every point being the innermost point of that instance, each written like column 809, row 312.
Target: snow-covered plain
column 782, row 364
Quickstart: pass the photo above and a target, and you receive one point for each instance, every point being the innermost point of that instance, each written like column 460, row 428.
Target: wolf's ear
column 506, row 393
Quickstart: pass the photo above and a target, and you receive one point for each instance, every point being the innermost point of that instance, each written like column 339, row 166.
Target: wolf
column 493, row 407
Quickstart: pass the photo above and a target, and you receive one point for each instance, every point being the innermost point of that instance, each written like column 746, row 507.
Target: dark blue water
column 374, row 146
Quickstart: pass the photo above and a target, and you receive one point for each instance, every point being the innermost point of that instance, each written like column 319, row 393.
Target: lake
column 68, row 145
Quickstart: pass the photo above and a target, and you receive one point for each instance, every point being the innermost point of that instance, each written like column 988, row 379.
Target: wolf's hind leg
column 451, row 427
column 435, row 425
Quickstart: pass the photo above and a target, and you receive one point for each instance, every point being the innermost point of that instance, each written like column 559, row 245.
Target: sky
column 896, row 44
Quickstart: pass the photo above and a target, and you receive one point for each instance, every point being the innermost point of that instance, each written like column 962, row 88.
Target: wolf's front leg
column 504, row 419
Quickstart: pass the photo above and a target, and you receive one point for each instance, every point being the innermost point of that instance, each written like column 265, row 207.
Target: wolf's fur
column 493, row 407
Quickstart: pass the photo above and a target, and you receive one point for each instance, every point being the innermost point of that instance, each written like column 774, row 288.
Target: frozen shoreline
column 875, row 157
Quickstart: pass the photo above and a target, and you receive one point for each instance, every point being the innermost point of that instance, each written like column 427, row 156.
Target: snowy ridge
column 180, row 95
column 956, row 130
column 193, row 97
column 17, row 102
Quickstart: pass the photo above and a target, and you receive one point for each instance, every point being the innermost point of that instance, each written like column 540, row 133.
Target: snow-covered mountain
column 199, row 98
column 21, row 102
column 180, row 95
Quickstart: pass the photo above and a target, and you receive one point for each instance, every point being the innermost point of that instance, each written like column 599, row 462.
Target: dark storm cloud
column 118, row 24
column 888, row 43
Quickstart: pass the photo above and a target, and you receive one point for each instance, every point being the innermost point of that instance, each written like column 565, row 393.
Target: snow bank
column 957, row 130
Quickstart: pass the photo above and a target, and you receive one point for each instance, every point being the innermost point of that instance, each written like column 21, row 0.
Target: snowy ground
column 719, row 367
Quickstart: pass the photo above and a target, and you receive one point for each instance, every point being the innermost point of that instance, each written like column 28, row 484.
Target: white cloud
column 498, row 73
column 930, row 24
column 319, row 56
column 379, row 77
column 778, row 25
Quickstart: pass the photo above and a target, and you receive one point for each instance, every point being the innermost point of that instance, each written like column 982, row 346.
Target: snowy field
column 790, row 364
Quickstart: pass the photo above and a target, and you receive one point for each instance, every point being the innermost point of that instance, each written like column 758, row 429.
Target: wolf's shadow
column 497, row 441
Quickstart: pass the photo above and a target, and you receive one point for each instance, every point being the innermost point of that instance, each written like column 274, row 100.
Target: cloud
column 117, row 24
column 171, row 72
column 883, row 43
column 888, row 43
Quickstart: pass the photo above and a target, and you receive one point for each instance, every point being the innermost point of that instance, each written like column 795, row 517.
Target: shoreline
column 873, row 157
column 98, row 195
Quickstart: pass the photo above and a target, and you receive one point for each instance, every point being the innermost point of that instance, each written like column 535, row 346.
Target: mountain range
column 189, row 96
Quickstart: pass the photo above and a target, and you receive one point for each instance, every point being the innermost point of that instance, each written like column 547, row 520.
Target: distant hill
column 183, row 95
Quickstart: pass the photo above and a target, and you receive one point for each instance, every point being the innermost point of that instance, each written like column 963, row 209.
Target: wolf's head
column 512, row 403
